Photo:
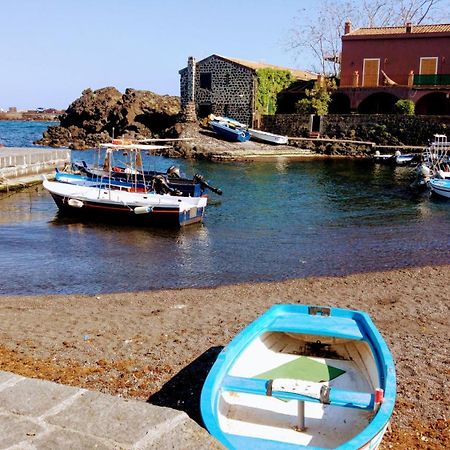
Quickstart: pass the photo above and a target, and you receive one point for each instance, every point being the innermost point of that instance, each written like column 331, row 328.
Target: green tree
column 318, row 98
column 270, row 82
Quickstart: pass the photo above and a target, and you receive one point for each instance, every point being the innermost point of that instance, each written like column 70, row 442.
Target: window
column 428, row 66
column 227, row 79
column 205, row 80
column 371, row 72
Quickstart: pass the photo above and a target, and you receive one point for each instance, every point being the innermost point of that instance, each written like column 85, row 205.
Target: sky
column 51, row 50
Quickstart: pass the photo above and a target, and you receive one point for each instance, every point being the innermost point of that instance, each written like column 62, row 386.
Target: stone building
column 224, row 87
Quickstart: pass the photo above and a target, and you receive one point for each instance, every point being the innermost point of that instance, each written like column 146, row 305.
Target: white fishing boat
column 132, row 201
column 302, row 377
column 270, row 138
column 146, row 208
column 437, row 157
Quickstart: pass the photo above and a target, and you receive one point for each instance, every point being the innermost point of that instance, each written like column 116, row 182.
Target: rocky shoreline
column 98, row 116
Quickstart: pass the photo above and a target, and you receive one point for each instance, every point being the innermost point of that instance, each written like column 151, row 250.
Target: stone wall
column 381, row 129
column 231, row 92
column 294, row 125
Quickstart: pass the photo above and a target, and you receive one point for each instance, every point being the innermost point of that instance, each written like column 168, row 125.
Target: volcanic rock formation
column 99, row 115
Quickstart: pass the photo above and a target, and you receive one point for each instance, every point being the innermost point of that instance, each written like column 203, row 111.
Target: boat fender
column 75, row 203
column 142, row 209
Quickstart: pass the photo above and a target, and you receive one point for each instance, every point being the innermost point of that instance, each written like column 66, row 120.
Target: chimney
column 348, row 27
column 189, row 107
column 409, row 27
column 191, row 79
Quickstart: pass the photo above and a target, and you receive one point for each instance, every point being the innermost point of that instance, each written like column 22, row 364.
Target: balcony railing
column 432, row 80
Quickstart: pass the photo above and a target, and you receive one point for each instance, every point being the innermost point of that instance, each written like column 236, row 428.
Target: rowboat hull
column 302, row 377
column 270, row 138
column 126, row 207
column 231, row 134
column 440, row 187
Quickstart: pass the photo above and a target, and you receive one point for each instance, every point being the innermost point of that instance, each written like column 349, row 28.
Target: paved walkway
column 20, row 167
column 36, row 414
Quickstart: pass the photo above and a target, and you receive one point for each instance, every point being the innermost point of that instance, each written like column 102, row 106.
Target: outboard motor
column 423, row 175
column 160, row 186
column 204, row 184
column 173, row 172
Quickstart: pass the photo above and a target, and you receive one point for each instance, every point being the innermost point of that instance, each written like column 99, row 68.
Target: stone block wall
column 294, row 125
column 382, row 129
column 387, row 129
column 232, row 88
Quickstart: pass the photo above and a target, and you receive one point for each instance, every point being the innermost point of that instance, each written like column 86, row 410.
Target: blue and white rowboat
column 302, row 377
column 230, row 133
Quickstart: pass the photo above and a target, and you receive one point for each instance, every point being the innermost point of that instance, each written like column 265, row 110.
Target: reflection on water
column 275, row 220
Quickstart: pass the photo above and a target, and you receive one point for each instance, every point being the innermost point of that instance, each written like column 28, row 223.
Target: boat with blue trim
column 143, row 208
column 134, row 174
column 440, row 187
column 229, row 131
column 302, row 377
column 132, row 201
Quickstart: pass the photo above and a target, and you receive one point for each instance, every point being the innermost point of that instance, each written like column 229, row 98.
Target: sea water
column 275, row 220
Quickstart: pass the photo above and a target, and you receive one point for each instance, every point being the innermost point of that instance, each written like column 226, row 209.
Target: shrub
column 405, row 107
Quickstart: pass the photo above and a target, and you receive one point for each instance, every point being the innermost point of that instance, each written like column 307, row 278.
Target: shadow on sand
column 183, row 391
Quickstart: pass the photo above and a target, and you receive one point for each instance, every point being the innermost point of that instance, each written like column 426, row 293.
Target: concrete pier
column 36, row 414
column 21, row 166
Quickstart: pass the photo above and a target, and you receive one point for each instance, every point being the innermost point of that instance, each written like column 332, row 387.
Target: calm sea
column 275, row 220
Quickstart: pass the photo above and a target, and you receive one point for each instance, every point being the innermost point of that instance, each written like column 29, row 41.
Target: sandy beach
column 158, row 346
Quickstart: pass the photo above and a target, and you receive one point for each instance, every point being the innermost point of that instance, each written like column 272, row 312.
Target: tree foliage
column 317, row 99
column 270, row 82
column 317, row 33
column 405, row 107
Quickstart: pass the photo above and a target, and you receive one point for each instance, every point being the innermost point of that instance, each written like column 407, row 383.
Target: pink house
column 382, row 65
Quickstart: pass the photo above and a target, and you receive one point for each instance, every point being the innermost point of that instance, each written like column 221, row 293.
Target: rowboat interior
column 302, row 360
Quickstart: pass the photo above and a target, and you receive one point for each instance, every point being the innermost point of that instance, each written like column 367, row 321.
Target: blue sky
column 53, row 49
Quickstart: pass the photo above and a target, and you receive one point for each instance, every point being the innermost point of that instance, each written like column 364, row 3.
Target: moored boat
column 168, row 182
column 147, row 208
column 397, row 158
column 302, row 377
column 265, row 136
column 440, row 187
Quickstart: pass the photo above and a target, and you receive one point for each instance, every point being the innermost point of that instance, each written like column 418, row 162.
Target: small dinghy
column 230, row 132
column 302, row 377
column 267, row 137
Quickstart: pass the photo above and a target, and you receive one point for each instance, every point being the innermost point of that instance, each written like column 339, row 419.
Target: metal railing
column 432, row 80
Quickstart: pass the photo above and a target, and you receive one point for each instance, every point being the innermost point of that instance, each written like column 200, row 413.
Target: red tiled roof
column 415, row 29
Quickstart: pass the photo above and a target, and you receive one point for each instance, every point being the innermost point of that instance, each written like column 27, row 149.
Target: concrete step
column 37, row 414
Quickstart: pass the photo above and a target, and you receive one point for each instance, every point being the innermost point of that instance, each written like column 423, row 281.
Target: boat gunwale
column 386, row 371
